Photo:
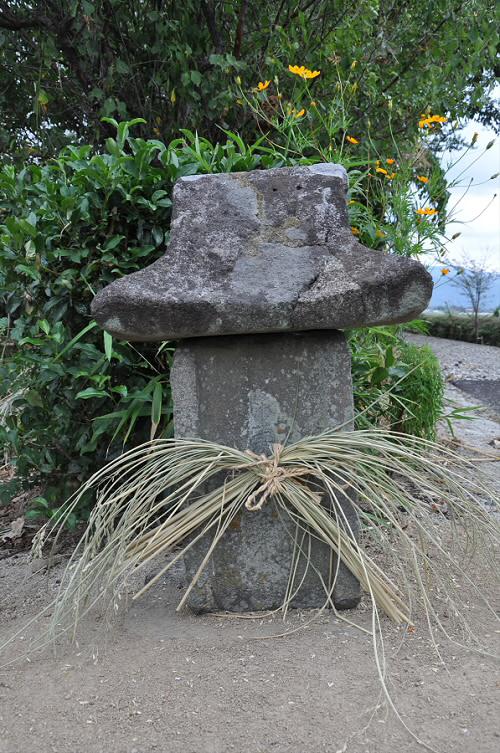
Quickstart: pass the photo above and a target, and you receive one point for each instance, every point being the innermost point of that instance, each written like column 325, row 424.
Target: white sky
column 480, row 236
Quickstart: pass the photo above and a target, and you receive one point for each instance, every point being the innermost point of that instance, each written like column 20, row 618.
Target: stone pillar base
column 250, row 392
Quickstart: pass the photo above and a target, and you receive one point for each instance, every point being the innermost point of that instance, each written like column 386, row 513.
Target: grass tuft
column 410, row 495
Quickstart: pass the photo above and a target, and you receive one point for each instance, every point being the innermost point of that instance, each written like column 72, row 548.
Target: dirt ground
column 163, row 682
column 176, row 683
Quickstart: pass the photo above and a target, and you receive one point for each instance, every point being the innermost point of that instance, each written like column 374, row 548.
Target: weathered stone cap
column 262, row 251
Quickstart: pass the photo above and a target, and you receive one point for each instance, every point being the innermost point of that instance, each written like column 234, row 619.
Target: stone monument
column 261, row 276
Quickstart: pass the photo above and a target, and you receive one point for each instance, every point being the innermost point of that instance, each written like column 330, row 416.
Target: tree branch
column 239, row 29
column 209, row 13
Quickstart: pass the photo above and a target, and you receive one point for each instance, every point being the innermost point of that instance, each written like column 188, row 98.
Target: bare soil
column 167, row 682
column 178, row 683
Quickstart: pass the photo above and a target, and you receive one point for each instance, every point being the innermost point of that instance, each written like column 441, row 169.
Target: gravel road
column 461, row 360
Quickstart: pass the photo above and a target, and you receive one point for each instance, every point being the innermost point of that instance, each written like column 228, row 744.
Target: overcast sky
column 480, row 236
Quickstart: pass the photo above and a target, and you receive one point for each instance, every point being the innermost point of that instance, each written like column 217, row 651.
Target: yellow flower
column 380, row 234
column 355, row 230
column 427, row 121
column 262, row 85
column 427, row 211
column 381, row 170
column 422, row 179
column 445, row 271
column 352, row 140
column 302, row 71
column 390, row 161
column 391, row 176
column 300, row 113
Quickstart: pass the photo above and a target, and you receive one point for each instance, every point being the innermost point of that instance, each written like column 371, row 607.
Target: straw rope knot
column 273, row 476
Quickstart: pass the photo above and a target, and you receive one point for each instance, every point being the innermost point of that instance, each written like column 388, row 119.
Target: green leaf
column 92, row 325
column 113, row 242
column 108, row 345
column 121, row 389
column 43, row 98
column 156, row 408
column 379, row 374
column 91, row 392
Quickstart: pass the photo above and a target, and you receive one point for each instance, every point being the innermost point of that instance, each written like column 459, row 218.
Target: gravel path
column 461, row 360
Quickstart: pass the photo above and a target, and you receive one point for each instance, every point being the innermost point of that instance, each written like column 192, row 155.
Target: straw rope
column 274, row 475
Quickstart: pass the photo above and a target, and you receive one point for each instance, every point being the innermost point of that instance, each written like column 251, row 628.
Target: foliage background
column 65, row 65
column 71, row 395
column 457, row 327
column 73, row 220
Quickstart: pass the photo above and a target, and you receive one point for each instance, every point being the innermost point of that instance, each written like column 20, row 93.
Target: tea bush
column 68, row 228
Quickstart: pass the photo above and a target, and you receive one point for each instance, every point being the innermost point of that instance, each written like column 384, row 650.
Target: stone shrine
column 261, row 276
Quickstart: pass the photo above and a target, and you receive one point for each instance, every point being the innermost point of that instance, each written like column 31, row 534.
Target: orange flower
column 445, row 271
column 262, row 85
column 390, row 161
column 428, row 121
column 300, row 113
column 427, row 211
column 303, row 72
column 355, row 230
column 352, row 140
column 422, row 179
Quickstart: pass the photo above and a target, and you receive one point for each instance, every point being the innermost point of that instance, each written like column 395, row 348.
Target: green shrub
column 69, row 227
column 455, row 327
column 396, row 384
column 421, row 392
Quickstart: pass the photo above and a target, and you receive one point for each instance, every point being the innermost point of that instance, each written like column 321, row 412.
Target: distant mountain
column 446, row 294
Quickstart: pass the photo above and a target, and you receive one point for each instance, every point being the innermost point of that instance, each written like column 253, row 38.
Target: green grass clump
column 423, row 391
